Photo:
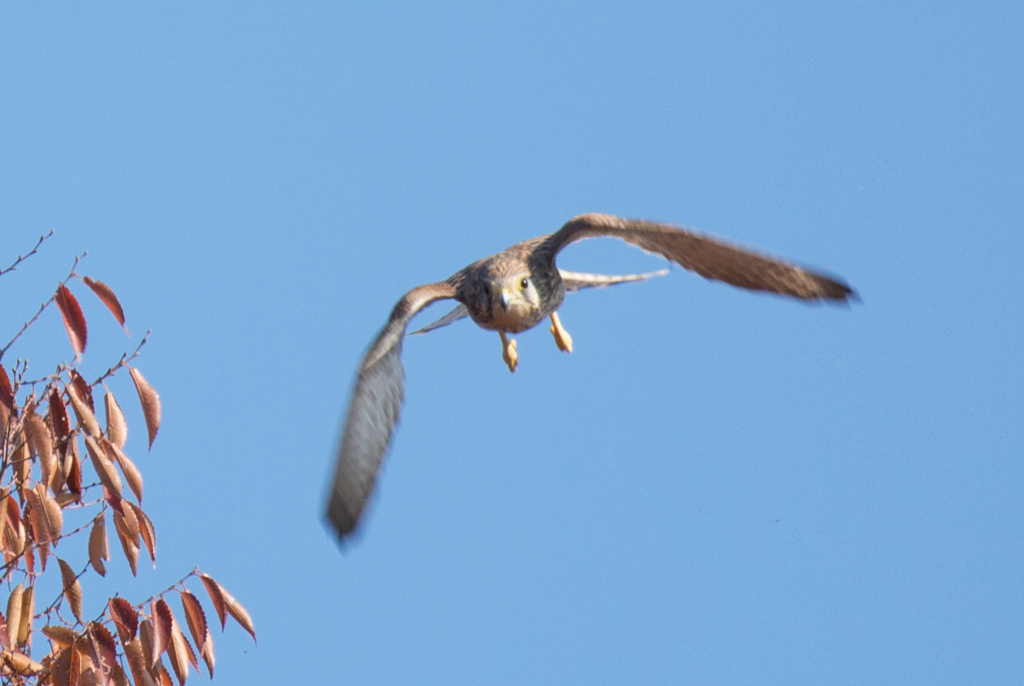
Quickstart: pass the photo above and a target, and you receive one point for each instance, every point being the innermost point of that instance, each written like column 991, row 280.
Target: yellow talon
column 562, row 338
column 508, row 352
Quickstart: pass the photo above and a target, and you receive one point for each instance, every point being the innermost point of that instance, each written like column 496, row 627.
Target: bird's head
column 515, row 302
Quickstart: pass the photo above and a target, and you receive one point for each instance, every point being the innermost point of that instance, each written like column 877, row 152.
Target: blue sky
column 715, row 487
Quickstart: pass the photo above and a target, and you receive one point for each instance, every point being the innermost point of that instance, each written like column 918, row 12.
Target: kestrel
column 514, row 291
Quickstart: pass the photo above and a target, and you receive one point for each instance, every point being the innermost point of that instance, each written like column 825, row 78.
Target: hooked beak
column 506, row 298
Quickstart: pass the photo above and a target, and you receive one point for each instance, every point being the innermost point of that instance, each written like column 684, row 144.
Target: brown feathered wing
column 373, row 412
column 707, row 256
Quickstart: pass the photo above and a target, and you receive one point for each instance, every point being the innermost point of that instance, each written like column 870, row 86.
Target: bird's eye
column 524, row 284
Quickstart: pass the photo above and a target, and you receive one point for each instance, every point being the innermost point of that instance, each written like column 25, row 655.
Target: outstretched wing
column 577, row 281
column 704, row 255
column 373, row 412
column 574, row 281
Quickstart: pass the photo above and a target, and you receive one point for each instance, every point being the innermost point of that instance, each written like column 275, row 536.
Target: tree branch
column 30, row 253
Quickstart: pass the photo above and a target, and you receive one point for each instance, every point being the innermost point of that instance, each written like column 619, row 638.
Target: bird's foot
column 508, row 351
column 562, row 338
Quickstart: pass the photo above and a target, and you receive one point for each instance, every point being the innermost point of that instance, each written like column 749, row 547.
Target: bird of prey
column 514, row 291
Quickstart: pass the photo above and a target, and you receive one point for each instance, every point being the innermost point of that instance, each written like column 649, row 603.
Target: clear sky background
column 716, row 487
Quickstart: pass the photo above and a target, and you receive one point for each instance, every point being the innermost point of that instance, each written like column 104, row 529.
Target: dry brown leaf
column 146, row 638
column 28, row 609
column 5, row 639
column 6, row 392
column 83, row 389
column 104, row 293
column 72, row 589
column 131, row 549
column 163, row 620
column 14, row 529
column 30, row 560
column 59, row 416
column 44, row 550
column 21, row 664
column 21, row 459
column 131, row 472
column 103, row 650
column 83, row 407
column 14, row 613
column 47, row 521
column 41, row 443
column 137, row 663
column 227, row 602
column 63, row 636
column 164, row 675
column 146, row 530
column 128, row 524
column 117, row 427
column 196, row 620
column 207, row 653
column 72, row 472
column 216, row 594
column 74, row 320
column 103, row 466
column 61, row 434
column 150, row 401
column 118, row 673
column 99, row 548
column 179, row 651
column 37, row 517
column 125, row 617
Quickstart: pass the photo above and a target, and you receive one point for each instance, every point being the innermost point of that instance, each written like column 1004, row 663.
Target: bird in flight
column 513, row 291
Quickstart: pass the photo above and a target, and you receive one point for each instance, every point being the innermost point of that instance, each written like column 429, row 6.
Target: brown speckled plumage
column 378, row 393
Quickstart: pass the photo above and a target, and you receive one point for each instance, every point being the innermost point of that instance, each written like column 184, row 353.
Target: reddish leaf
column 14, row 613
column 99, row 549
column 30, row 558
column 131, row 473
column 196, row 619
column 61, row 635
column 59, row 416
column 146, row 530
column 104, row 293
column 126, row 619
column 222, row 600
column 163, row 620
column 146, row 639
column 14, row 528
column 117, row 427
column 47, row 520
column 73, row 470
column 83, row 389
column 72, row 589
column 103, row 466
column 150, row 401
column 129, row 538
column 216, row 594
column 103, row 650
column 74, row 320
column 137, row 663
column 21, row 664
column 21, row 459
column 28, row 610
column 6, row 392
column 41, row 443
column 180, row 653
column 84, row 410
column 5, row 640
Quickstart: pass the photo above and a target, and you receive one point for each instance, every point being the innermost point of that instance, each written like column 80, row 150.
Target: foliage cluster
column 64, row 476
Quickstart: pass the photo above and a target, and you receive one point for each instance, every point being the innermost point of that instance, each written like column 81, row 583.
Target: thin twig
column 42, row 307
column 22, row 258
column 123, row 362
